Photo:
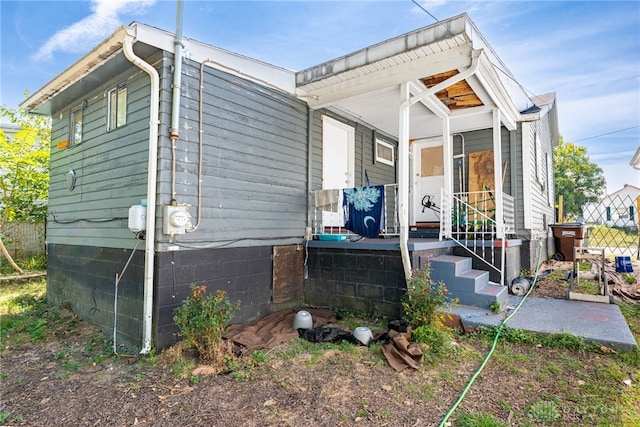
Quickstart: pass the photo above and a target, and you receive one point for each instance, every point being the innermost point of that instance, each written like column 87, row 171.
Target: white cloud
column 84, row 34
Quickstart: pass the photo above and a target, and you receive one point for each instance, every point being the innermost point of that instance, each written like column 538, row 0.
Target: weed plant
column 424, row 298
column 30, row 264
column 203, row 320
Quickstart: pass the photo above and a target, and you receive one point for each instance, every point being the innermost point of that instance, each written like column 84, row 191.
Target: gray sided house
column 176, row 163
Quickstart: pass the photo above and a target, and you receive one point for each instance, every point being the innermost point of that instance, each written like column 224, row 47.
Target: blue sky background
column 587, row 52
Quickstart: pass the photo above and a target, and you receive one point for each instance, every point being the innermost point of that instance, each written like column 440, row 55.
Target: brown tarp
column 400, row 352
column 277, row 328
column 272, row 330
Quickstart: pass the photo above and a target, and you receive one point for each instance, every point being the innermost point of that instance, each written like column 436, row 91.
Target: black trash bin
column 566, row 237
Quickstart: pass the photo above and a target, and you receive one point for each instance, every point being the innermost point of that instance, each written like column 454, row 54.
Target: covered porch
column 427, row 90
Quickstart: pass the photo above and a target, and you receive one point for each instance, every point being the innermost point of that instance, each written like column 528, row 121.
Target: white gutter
column 152, row 171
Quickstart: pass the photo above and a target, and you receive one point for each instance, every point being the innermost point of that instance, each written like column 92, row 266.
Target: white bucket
column 303, row 320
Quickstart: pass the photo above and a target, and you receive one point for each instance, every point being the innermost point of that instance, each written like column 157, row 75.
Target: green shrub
column 203, row 320
column 424, row 298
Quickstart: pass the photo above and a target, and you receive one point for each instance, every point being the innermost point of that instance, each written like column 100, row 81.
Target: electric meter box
column 175, row 219
column 137, row 218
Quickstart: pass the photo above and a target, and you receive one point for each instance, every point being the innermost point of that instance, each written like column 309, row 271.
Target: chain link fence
column 613, row 224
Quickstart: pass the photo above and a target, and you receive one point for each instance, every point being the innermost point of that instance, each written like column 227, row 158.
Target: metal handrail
column 473, row 226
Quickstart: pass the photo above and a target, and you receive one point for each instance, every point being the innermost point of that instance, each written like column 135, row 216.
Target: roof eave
column 36, row 103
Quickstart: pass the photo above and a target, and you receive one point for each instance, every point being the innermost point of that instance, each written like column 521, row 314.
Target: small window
column 75, row 127
column 539, row 157
column 385, row 153
column 550, row 195
column 117, row 107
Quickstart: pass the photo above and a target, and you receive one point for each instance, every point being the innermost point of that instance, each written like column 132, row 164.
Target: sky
column 586, row 52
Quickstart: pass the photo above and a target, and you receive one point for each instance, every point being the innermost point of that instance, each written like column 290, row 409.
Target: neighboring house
column 9, row 129
column 618, row 209
column 229, row 151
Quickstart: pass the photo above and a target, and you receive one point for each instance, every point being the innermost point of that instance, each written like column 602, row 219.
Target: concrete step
column 449, row 265
column 469, row 286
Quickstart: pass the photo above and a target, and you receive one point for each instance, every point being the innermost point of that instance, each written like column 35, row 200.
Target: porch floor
column 592, row 321
column 393, row 243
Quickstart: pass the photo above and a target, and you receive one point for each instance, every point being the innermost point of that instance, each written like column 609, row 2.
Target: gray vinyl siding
column 254, row 170
column 517, row 182
column 111, row 168
column 379, row 173
column 542, row 212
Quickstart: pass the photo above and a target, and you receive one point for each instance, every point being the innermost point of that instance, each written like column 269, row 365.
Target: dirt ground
column 43, row 385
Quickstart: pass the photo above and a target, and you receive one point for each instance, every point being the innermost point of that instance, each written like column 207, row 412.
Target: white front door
column 338, row 149
column 428, row 179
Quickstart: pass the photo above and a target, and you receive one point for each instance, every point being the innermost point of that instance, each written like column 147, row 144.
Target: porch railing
column 391, row 225
column 473, row 225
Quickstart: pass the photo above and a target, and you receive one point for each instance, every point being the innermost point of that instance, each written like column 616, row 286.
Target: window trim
column 75, row 138
column 550, row 187
column 383, row 160
column 113, row 113
column 538, row 148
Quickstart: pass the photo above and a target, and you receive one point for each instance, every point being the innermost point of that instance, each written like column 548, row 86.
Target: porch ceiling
column 365, row 85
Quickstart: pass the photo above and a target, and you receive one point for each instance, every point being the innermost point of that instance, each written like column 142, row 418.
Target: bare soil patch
column 62, row 381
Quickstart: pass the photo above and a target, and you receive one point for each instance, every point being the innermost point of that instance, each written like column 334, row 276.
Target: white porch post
column 447, row 153
column 403, row 176
column 497, row 173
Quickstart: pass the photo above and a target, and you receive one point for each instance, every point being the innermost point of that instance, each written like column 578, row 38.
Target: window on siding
column 75, row 127
column 549, row 180
column 385, row 152
column 539, row 157
column 117, row 107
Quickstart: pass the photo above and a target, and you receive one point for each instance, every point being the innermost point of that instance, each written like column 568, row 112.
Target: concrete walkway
column 595, row 322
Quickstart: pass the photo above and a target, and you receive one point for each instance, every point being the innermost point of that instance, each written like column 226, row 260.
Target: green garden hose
column 493, row 346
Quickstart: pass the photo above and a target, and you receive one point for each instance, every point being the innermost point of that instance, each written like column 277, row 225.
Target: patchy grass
column 33, row 264
column 23, row 312
column 530, row 379
column 601, row 235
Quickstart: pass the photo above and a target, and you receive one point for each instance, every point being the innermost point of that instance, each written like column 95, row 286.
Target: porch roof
column 364, row 85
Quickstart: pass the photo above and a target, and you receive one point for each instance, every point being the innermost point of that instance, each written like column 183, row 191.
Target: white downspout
column 152, row 172
column 403, row 177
